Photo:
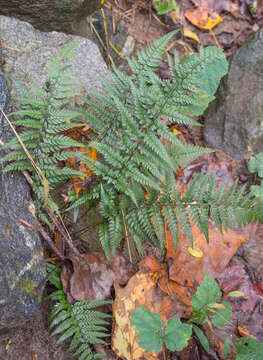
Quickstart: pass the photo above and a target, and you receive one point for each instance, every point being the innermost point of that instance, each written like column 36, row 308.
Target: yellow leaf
column 191, row 35
column 236, row 293
column 195, row 252
column 217, row 306
column 176, row 132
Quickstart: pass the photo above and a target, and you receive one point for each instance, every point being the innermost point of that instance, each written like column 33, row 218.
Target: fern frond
column 79, row 321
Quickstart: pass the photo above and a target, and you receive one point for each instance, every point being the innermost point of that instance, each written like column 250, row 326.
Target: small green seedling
column 154, row 334
column 8, row 345
column 165, row 6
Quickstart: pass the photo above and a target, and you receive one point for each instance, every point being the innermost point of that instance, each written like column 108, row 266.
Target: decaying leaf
column 91, row 277
column 237, row 279
column 188, row 271
column 142, row 289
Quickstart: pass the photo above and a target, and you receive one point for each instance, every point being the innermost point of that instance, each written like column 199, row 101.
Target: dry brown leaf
column 92, row 277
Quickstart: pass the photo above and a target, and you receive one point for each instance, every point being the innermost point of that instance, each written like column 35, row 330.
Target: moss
column 28, row 286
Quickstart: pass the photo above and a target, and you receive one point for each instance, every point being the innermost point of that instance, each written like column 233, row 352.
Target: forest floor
column 238, row 21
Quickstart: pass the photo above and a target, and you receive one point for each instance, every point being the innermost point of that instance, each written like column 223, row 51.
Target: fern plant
column 139, row 155
column 44, row 114
column 135, row 184
column 78, row 321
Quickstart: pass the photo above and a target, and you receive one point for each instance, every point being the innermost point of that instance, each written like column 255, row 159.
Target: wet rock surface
column 234, row 121
column 22, row 268
column 49, row 15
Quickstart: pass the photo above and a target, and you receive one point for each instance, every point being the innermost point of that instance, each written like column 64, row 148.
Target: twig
column 37, row 169
column 60, row 225
column 49, row 241
column 215, row 39
column 127, row 238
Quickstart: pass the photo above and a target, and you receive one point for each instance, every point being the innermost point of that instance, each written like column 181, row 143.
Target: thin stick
column 60, row 225
column 49, row 241
column 127, row 238
column 214, row 37
column 37, row 169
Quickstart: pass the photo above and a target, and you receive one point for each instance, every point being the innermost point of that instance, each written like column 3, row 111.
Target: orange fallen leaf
column 187, row 271
column 81, row 183
column 203, row 18
column 141, row 289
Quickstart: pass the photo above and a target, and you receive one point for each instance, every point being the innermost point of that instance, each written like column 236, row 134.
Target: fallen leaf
column 91, row 277
column 81, row 183
column 203, row 18
column 142, row 289
column 187, row 271
column 191, row 35
column 237, row 279
column 195, row 252
column 243, row 331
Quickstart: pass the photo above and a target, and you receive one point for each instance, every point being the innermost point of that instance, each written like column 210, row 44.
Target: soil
column 31, row 340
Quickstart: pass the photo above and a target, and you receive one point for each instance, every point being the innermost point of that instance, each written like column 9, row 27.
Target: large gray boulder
column 22, row 268
column 49, row 15
column 234, row 121
column 26, row 50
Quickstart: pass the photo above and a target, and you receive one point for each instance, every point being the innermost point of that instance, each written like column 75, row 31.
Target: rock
column 22, row 267
column 46, row 15
column 26, row 51
column 234, row 121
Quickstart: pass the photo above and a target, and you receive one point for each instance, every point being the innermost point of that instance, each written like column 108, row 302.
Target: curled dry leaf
column 142, row 289
column 91, row 277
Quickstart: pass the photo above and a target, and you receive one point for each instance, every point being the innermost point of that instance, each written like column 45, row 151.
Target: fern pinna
column 79, row 322
column 46, row 114
column 139, row 155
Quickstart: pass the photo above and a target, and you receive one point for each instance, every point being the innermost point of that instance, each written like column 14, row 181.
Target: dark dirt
column 31, row 340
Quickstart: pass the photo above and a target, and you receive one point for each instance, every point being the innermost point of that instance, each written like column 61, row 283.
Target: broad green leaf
column 177, row 334
column 201, row 337
column 208, row 292
column 215, row 66
column 149, row 327
column 222, row 316
column 248, row 349
column 213, row 71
